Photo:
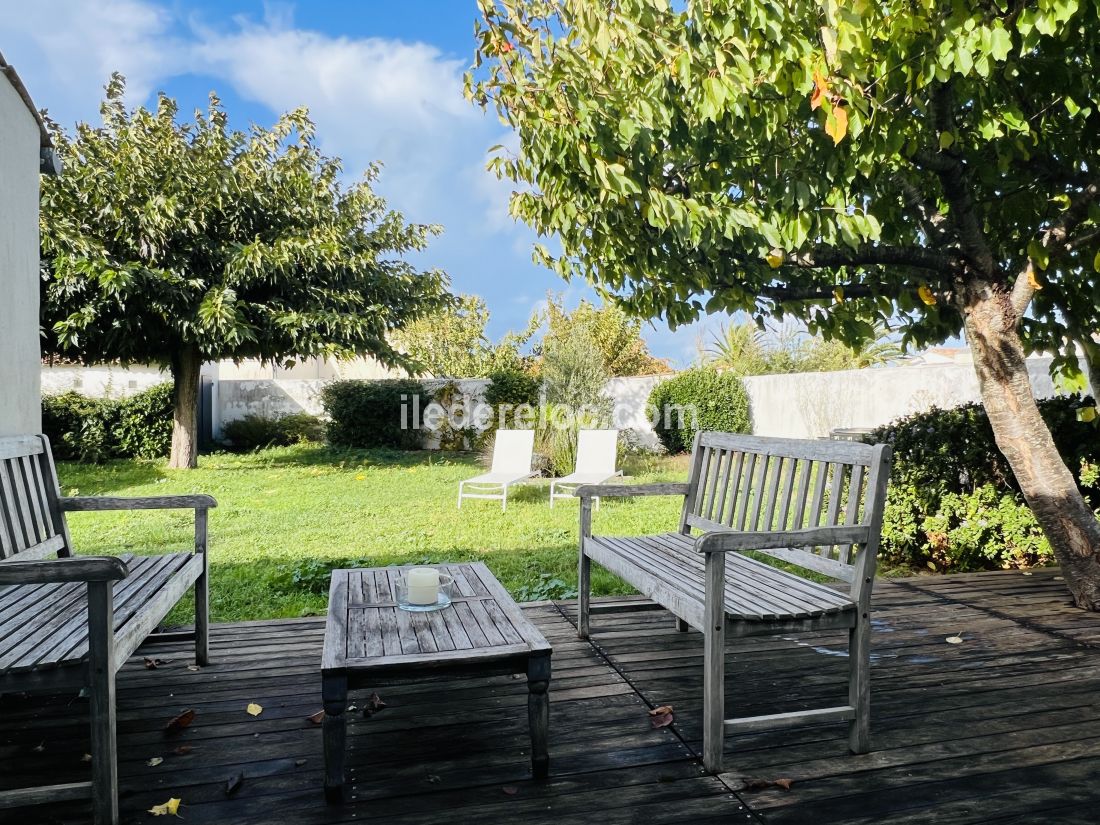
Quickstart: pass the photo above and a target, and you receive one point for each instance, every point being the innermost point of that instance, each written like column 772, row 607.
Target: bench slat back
column 31, row 523
column 751, row 483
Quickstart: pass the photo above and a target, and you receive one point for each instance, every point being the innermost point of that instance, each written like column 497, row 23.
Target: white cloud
column 70, row 47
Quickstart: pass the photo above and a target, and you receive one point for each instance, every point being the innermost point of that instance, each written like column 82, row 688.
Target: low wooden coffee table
column 483, row 631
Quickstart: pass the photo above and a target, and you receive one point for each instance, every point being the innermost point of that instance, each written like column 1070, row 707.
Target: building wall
column 20, row 400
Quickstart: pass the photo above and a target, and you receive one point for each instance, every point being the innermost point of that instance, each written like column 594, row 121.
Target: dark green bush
column 95, row 429
column 701, row 398
column 954, row 503
column 511, row 386
column 375, row 413
column 254, row 432
column 145, row 423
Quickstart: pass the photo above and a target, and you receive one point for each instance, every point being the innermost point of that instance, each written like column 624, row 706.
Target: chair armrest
column 85, row 503
column 631, row 490
column 721, row 541
column 78, row 569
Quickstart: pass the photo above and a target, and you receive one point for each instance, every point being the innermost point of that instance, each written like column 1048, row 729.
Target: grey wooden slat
column 334, row 652
column 440, row 632
column 723, row 483
column 714, row 471
column 701, row 486
column 791, row 719
column 692, row 483
column 52, row 545
column 53, row 490
column 778, row 465
column 22, row 522
column 759, row 490
column 36, row 497
column 391, row 641
column 851, row 516
column 802, row 495
column 439, row 657
column 10, row 529
column 157, row 602
column 735, row 480
column 425, row 639
column 456, row 629
column 358, row 594
column 850, row 452
column 50, row 603
column 493, row 636
column 406, row 633
column 71, row 504
column 813, row 561
column 470, row 625
column 507, row 606
column 785, row 493
column 818, row 500
column 746, row 487
column 17, row 446
column 836, row 493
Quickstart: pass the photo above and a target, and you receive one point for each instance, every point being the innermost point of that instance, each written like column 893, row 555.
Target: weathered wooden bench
column 64, row 623
column 814, row 504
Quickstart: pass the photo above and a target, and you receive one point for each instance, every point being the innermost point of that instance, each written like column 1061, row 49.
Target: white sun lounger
column 596, row 454
column 512, row 454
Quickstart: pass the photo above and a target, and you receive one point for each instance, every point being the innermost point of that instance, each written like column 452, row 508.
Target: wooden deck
column 1004, row 727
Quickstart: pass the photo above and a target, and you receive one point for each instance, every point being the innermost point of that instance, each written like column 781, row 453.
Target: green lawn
column 286, row 515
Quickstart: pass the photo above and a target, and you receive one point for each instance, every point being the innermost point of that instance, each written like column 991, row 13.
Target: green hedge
column 954, row 503
column 254, row 432
column 375, row 413
column 701, row 398
column 96, row 429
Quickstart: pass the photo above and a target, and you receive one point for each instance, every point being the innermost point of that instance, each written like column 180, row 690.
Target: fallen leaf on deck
column 156, row 760
column 299, row 762
column 373, row 705
column 662, row 721
column 40, row 747
column 153, row 664
column 433, row 779
column 954, row 640
column 169, row 808
column 763, row 784
column 1027, row 573
column 194, row 668
column 254, row 709
column 178, row 723
column 661, row 711
column 86, row 758
column 317, row 718
column 183, row 750
column 511, row 790
column 233, row 784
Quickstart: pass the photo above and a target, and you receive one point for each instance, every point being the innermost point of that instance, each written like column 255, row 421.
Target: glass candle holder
column 420, row 593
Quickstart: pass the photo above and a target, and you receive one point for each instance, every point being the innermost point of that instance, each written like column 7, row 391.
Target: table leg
column 538, row 713
column 334, row 692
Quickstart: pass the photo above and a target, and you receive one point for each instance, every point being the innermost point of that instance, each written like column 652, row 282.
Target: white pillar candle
column 423, row 585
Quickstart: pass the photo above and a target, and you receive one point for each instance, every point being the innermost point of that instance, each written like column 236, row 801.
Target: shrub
column 701, row 398
column 375, row 413
column 513, row 387
column 95, row 429
column 254, row 432
column 144, row 428
column 954, row 503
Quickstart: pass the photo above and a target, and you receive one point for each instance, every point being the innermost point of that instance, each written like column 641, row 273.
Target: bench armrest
column 631, row 490
column 721, row 541
column 86, row 503
column 78, row 569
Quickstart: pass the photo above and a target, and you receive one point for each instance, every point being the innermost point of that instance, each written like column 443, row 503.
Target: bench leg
column 584, row 595
column 714, row 664
column 538, row 713
column 334, row 731
column 682, row 626
column 101, row 655
column 202, row 593
column 859, row 685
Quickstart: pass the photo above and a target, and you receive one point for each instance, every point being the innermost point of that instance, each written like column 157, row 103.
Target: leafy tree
column 451, row 341
column 183, row 243
column 615, row 335
column 932, row 164
column 748, row 350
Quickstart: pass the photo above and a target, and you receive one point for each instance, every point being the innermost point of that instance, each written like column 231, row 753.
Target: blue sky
column 381, row 79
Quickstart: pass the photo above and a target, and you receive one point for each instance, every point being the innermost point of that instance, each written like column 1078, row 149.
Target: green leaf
column 1000, row 42
column 946, row 140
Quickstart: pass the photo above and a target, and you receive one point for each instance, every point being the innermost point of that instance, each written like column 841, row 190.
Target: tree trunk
column 1024, row 438
column 186, row 365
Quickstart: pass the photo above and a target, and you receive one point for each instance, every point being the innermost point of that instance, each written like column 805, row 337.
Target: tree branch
column 931, row 219
column 914, row 257
column 1056, row 238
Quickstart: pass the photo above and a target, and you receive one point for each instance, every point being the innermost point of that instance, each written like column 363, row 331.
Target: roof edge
column 17, row 83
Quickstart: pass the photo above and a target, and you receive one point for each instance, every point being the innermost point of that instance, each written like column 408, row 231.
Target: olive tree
column 931, row 165
column 181, row 243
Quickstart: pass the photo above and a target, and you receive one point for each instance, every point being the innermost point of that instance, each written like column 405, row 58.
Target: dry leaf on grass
column 254, row 709
column 169, row 808
column 764, row 784
column 317, row 718
column 178, row 723
column 156, row 760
